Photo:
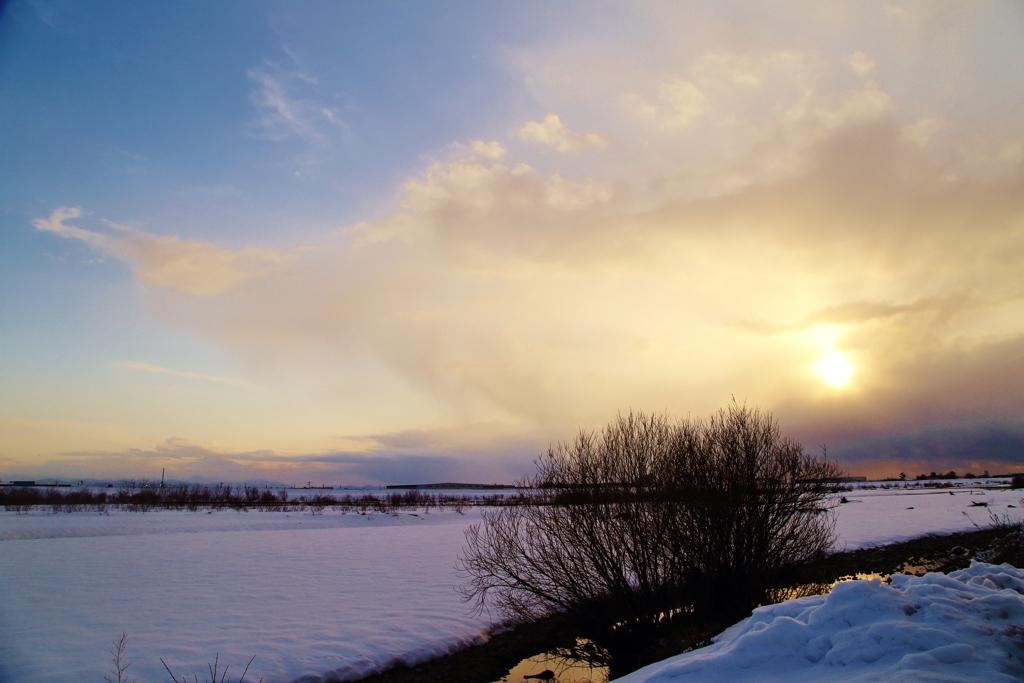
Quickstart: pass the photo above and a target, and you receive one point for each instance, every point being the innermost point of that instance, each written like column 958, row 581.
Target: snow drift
column 967, row 626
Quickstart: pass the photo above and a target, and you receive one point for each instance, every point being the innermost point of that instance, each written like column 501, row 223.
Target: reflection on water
column 777, row 595
column 861, row 576
column 920, row 567
column 562, row 665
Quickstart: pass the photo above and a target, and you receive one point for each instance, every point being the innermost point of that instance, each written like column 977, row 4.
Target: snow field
column 312, row 604
column 40, row 524
column 880, row 516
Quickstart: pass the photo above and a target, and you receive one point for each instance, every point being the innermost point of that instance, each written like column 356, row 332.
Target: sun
column 834, row 368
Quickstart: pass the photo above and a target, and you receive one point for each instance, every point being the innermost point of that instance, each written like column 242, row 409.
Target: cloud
column 986, row 445
column 474, row 206
column 188, row 266
column 496, row 290
column 186, row 460
column 1012, row 152
column 501, row 293
column 867, row 104
column 733, row 120
column 157, row 370
column 732, row 89
column 55, row 224
column 921, row 132
column 553, row 133
column 291, row 106
column 284, row 114
column 489, row 150
column 922, row 399
column 539, row 294
column 860, row 63
column 863, row 312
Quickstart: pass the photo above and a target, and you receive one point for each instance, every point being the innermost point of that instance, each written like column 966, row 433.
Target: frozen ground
column 967, row 626
column 311, row 596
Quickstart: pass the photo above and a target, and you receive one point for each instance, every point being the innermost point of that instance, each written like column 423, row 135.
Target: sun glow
column 834, row 368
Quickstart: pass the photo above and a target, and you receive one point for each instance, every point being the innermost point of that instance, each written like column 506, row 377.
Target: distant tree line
column 141, row 497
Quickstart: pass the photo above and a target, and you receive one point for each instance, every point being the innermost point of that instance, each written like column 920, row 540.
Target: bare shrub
column 317, row 504
column 751, row 504
column 592, row 539
column 119, row 657
column 1009, row 547
column 214, row 669
column 653, row 518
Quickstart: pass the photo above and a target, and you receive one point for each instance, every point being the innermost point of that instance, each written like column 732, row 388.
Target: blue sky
column 365, row 241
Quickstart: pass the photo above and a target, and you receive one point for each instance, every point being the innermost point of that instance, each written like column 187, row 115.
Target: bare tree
column 651, row 518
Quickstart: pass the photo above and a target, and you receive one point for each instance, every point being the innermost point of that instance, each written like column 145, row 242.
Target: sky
column 396, row 242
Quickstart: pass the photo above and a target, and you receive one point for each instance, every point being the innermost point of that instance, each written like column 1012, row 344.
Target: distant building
column 449, row 485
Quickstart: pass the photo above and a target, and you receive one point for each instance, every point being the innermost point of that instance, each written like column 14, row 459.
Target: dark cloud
column 995, row 446
column 942, row 406
column 409, row 460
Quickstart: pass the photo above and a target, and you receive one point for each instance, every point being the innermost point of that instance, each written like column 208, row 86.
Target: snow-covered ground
column 314, row 597
column 879, row 516
column 310, row 596
column 968, row 626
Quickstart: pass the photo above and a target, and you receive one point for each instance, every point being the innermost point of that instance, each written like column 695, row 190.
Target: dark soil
column 919, row 556
column 486, row 662
column 490, row 661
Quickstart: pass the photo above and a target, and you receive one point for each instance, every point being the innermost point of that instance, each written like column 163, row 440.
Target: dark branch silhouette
column 653, row 518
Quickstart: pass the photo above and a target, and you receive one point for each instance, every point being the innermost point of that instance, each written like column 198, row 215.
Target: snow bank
column 967, row 626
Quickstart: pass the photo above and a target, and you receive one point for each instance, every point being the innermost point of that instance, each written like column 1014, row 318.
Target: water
column 558, row 666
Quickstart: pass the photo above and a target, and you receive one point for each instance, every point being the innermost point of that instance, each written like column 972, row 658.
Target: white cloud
column 188, row 266
column 451, row 197
column 725, row 88
column 685, row 100
column 553, row 133
column 734, row 120
column 489, row 150
column 157, row 370
column 869, row 103
column 860, row 63
column 920, row 132
column 567, row 195
column 290, row 105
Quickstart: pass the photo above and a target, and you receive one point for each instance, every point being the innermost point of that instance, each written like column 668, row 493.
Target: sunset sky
column 386, row 242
